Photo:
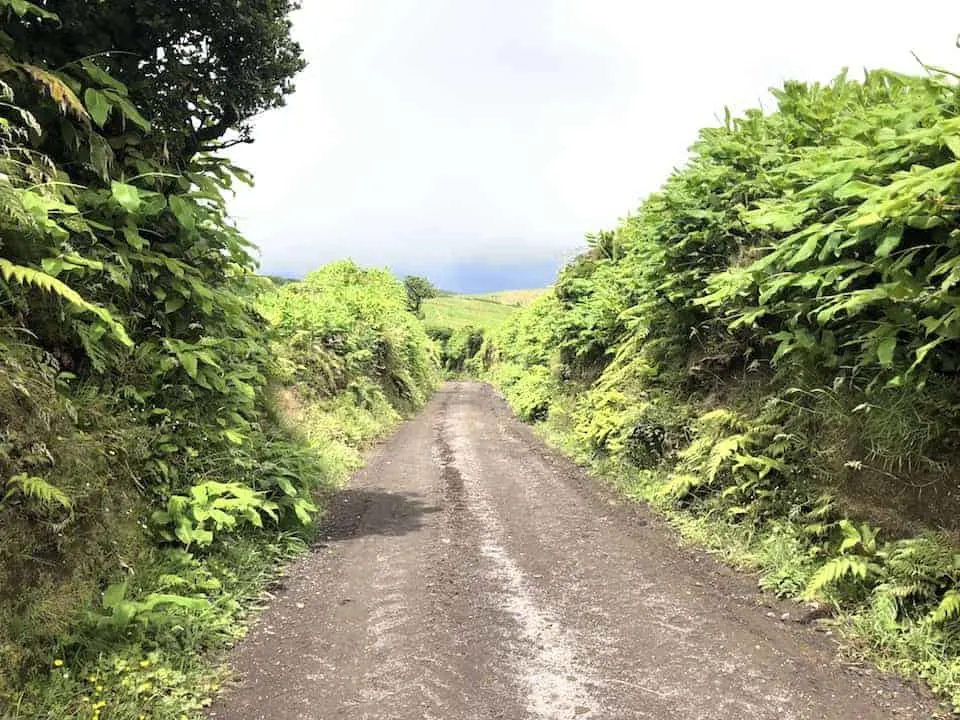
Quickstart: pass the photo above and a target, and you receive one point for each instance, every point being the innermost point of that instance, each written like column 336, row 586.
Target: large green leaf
column 97, row 105
column 129, row 110
column 885, row 349
column 806, row 251
column 22, row 8
column 890, row 240
column 102, row 77
column 184, row 209
column 128, row 196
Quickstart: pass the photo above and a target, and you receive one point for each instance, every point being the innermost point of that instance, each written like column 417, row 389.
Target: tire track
column 471, row 574
column 543, row 653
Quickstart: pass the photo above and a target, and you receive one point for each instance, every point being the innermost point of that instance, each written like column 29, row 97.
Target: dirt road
column 471, row 573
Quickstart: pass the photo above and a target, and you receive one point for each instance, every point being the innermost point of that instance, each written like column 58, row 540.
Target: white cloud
column 430, row 132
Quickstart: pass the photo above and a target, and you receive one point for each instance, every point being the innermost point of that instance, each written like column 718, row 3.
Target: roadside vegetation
column 766, row 350
column 168, row 419
column 461, row 323
column 350, row 361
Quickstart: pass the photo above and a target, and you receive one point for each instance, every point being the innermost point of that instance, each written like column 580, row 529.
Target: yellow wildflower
column 58, row 663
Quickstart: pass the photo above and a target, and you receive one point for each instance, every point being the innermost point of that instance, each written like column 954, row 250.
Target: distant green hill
column 460, row 323
column 457, row 311
column 513, row 297
column 487, row 311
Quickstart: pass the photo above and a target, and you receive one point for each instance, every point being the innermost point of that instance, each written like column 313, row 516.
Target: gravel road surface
column 470, row 573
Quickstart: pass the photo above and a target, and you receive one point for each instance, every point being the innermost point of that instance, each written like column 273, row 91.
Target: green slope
column 519, row 298
column 460, row 323
column 459, row 311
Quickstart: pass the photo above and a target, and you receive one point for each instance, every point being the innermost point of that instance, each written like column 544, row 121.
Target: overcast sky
column 476, row 142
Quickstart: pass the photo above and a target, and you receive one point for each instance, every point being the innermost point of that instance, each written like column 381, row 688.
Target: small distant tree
column 418, row 290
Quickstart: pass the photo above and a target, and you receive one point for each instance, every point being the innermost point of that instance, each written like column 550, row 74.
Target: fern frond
column 724, row 450
column 835, row 571
column 57, row 89
column 30, row 276
column 721, row 420
column 38, row 489
column 949, row 608
column 851, row 535
column 681, row 484
column 906, row 590
column 91, row 339
column 823, row 506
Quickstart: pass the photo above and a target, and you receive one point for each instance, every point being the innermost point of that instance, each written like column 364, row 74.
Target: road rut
column 471, row 573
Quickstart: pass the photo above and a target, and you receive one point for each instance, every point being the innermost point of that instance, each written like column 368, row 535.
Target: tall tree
column 198, row 69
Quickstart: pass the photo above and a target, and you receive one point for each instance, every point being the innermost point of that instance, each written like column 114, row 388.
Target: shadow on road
column 357, row 512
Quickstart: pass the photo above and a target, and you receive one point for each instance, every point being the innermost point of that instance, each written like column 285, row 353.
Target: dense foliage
column 199, row 69
column 459, row 324
column 353, row 355
column 771, row 341
column 150, row 474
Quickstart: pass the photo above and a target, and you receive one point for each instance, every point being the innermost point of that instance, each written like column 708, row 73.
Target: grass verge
column 153, row 649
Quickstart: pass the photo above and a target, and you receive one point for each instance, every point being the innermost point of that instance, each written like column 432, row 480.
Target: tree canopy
column 198, row 69
column 418, row 290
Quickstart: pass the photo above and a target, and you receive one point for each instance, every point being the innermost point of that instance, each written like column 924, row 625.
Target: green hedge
column 768, row 345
